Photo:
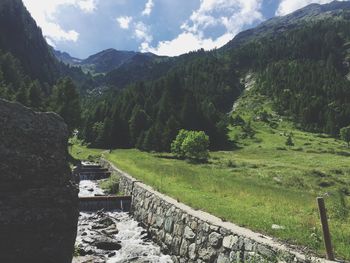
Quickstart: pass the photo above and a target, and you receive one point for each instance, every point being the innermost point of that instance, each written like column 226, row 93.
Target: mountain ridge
column 104, row 61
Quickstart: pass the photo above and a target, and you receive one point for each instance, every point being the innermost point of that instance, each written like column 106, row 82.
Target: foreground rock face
column 38, row 200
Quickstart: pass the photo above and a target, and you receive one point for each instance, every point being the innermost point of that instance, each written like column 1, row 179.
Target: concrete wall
column 195, row 236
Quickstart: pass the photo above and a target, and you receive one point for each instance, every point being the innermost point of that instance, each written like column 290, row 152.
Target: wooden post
column 325, row 228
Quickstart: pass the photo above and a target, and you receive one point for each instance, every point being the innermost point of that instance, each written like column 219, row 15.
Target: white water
column 134, row 248
column 89, row 188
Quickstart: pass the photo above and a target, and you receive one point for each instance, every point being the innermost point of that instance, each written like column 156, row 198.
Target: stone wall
column 38, row 200
column 195, row 236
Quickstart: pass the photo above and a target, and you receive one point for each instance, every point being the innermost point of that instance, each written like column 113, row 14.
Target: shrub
column 345, row 134
column 248, row 131
column 263, row 116
column 176, row 145
column 195, row 146
column 289, row 141
column 111, row 185
column 231, row 164
column 192, row 145
column 237, row 120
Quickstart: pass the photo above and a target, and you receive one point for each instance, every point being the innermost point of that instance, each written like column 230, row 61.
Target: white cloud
column 87, row 6
column 288, row 6
column 44, row 12
column 232, row 15
column 142, row 32
column 58, row 34
column 124, row 21
column 148, row 8
column 184, row 43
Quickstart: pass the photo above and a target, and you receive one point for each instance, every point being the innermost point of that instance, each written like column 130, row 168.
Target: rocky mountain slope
column 277, row 25
column 66, row 58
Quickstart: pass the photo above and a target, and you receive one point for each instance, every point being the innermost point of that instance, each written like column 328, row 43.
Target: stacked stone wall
column 195, row 236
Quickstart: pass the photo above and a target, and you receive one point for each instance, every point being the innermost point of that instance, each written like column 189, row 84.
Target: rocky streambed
column 112, row 237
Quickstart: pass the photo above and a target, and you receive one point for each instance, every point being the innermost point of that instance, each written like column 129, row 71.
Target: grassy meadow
column 260, row 183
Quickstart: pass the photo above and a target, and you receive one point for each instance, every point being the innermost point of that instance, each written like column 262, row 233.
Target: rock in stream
column 112, row 237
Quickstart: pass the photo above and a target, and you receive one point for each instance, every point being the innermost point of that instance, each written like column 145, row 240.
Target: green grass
column 243, row 195
column 80, row 152
column 111, row 185
column 261, row 183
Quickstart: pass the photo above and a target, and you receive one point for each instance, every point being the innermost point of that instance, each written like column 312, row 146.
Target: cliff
column 38, row 199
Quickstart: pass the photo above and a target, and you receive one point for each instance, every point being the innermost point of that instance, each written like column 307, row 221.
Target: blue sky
column 164, row 27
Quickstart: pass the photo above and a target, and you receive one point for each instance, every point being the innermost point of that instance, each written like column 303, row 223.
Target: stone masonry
column 195, row 236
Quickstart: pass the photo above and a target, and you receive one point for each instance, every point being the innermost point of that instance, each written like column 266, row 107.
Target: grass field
column 261, row 183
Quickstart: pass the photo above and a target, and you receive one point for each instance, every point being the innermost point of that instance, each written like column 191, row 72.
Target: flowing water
column 133, row 241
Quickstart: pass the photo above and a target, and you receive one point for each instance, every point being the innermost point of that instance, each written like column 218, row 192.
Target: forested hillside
column 301, row 61
column 20, row 36
column 28, row 68
column 304, row 72
column 302, row 68
column 195, row 95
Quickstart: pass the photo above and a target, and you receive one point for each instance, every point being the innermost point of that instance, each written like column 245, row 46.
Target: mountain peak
column 282, row 23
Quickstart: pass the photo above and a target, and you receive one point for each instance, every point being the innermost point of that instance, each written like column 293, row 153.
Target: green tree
column 65, row 102
column 22, row 96
column 169, row 133
column 289, row 141
column 139, row 122
column 35, row 96
column 97, row 131
column 151, row 140
column 345, row 134
column 176, row 145
column 237, row 120
column 248, row 130
column 196, row 146
column 192, row 145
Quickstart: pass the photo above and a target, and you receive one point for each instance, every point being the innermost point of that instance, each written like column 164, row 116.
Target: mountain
column 146, row 67
column 20, row 36
column 140, row 67
column 28, row 67
column 277, row 25
column 106, row 60
column 111, row 59
column 65, row 58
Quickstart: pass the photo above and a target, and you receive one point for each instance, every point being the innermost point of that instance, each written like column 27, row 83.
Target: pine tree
column 35, row 96
column 170, row 131
column 139, row 122
column 345, row 134
column 22, row 96
column 65, row 102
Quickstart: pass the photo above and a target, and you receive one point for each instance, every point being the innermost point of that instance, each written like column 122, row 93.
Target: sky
column 163, row 27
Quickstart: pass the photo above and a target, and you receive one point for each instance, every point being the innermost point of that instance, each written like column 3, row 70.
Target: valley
column 262, row 178
column 251, row 133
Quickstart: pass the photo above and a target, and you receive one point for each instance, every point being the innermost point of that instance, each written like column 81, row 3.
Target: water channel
column 112, row 236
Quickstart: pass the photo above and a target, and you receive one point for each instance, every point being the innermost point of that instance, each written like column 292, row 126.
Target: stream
column 112, row 237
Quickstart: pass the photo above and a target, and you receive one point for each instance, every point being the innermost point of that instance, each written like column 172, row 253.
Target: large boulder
column 38, row 199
